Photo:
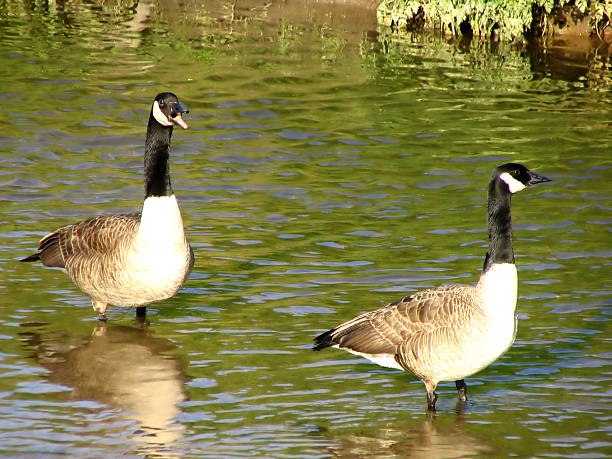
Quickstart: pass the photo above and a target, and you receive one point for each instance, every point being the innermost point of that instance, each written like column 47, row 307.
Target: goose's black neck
column 157, row 171
column 499, row 224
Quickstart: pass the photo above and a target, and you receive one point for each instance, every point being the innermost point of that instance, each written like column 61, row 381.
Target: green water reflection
column 324, row 173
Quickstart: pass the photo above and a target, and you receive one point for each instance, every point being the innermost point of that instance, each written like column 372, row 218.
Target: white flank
column 384, row 360
column 159, row 116
column 513, row 184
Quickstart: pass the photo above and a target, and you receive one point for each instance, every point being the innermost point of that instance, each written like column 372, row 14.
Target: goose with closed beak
column 449, row 332
column 130, row 260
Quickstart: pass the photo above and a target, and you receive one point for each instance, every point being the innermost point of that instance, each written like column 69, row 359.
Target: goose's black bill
column 176, row 114
column 534, row 178
column 179, row 108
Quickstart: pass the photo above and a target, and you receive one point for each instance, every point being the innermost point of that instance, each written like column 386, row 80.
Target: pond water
column 325, row 173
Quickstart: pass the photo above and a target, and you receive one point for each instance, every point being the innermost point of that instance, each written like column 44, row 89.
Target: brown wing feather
column 404, row 326
column 93, row 235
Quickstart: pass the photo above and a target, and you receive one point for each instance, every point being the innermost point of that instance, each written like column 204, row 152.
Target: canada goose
column 130, row 260
column 449, row 332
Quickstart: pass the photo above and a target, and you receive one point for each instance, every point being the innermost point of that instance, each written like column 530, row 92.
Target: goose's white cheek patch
column 513, row 184
column 159, row 116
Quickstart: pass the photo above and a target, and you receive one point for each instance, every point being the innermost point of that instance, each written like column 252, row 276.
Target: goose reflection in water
column 122, row 367
column 430, row 438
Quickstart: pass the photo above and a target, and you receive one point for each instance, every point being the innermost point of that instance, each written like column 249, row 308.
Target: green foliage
column 600, row 13
column 509, row 19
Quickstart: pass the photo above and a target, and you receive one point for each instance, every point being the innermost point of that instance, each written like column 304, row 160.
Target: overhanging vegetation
column 509, row 20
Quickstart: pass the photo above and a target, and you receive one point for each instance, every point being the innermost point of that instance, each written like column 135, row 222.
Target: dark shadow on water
column 122, row 367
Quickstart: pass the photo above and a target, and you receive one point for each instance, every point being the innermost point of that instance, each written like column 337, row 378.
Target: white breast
column 161, row 223
column 498, row 288
column 161, row 255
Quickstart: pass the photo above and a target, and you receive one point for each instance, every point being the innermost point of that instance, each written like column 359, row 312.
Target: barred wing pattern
column 87, row 239
column 417, row 331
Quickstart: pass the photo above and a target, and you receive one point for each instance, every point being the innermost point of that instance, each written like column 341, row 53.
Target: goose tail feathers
column 31, row 258
column 49, row 251
column 324, row 340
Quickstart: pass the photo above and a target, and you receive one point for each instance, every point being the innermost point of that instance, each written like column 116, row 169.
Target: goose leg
column 100, row 308
column 461, row 390
column 432, row 397
column 141, row 313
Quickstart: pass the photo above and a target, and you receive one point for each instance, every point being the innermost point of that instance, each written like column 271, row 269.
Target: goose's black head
column 168, row 111
column 516, row 177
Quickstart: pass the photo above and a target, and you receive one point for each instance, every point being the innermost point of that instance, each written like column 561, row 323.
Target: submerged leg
column 100, row 308
column 461, row 390
column 141, row 313
column 432, row 397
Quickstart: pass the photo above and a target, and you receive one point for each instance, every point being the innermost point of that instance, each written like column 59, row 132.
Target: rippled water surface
column 324, row 174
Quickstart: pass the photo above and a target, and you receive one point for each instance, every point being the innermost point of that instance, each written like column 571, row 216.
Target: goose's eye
column 162, row 104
